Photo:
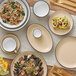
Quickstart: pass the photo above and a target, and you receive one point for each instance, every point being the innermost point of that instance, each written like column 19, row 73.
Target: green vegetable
column 18, row 15
column 12, row 3
column 1, row 57
column 8, row 14
column 17, row 66
column 4, row 11
column 28, row 71
column 8, row 20
column 4, row 73
column 23, row 14
column 12, row 6
column 4, row 21
column 12, row 11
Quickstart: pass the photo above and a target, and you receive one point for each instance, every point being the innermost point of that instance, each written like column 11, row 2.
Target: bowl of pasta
column 14, row 14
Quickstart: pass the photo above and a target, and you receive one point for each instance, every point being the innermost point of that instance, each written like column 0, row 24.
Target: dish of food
column 66, row 52
column 12, row 13
column 28, row 64
column 21, row 10
column 3, row 67
column 60, row 23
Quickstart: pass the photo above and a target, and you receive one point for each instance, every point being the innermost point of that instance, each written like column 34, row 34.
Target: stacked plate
column 26, row 8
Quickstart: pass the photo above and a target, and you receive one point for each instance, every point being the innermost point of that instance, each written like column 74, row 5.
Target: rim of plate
column 41, row 16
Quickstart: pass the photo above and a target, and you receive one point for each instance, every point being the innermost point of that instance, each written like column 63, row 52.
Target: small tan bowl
column 66, row 52
column 17, row 44
column 29, row 53
column 60, row 13
column 44, row 43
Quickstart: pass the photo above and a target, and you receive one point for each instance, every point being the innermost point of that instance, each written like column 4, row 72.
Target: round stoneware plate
column 66, row 52
column 23, row 22
column 42, row 44
column 60, row 13
column 29, row 53
column 17, row 43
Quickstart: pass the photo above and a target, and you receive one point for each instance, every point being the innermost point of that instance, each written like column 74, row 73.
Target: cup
column 37, row 33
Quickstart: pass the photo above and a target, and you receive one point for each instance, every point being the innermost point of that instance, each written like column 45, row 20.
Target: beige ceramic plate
column 66, row 52
column 17, row 42
column 28, row 53
column 44, row 43
column 60, row 13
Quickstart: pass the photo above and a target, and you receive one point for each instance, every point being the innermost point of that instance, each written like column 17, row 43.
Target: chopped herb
column 8, row 14
column 4, row 21
column 32, row 70
column 12, row 3
column 23, row 14
column 17, row 66
column 12, row 11
column 18, row 15
column 4, row 11
column 8, row 10
column 12, row 6
column 28, row 71
column 8, row 20
column 36, row 64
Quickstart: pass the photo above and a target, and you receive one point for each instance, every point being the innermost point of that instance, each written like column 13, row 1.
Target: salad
column 28, row 65
column 60, row 23
column 3, row 67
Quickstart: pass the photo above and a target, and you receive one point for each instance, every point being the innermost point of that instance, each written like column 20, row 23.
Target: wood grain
column 9, row 61
column 53, row 6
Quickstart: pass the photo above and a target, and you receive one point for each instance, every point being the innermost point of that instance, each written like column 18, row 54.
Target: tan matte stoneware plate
column 17, row 42
column 60, row 13
column 66, row 52
column 42, row 44
column 29, row 53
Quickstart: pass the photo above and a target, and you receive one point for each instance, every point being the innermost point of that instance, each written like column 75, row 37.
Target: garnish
column 12, row 3
column 12, row 6
column 4, row 11
column 23, row 14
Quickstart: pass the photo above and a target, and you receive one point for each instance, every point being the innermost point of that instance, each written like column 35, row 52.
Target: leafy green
column 1, row 57
column 12, row 11
column 4, row 21
column 23, row 14
column 4, row 11
column 12, row 3
column 8, row 20
column 12, row 6
column 28, row 71
column 8, row 14
column 18, row 15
